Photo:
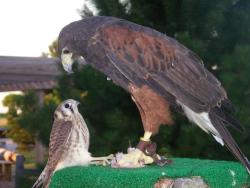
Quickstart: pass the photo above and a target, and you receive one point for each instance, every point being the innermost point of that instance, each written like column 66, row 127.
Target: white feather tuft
column 219, row 140
column 203, row 121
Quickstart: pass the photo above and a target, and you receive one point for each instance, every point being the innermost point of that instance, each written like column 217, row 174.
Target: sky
column 28, row 27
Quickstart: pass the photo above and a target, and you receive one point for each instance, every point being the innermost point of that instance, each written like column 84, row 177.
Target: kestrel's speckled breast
column 75, row 152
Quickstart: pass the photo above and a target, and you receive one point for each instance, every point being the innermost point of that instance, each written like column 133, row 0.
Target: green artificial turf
column 216, row 173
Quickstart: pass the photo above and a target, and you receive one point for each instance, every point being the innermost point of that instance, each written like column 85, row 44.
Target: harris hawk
column 157, row 71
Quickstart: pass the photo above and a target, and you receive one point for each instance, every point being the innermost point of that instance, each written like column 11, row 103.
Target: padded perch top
column 217, row 174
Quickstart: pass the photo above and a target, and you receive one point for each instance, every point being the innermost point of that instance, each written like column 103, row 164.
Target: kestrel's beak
column 75, row 106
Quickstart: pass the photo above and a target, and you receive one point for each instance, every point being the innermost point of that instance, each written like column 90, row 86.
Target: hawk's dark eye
column 66, row 51
column 66, row 105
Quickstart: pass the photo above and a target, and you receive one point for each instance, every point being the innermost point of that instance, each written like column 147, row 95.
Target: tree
column 16, row 132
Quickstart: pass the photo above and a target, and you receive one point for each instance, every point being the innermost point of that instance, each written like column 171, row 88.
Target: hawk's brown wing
column 145, row 56
column 58, row 139
column 159, row 61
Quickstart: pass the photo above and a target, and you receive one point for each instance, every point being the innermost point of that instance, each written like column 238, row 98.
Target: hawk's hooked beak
column 68, row 60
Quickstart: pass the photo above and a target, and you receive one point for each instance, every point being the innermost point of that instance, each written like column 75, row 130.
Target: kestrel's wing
column 58, row 139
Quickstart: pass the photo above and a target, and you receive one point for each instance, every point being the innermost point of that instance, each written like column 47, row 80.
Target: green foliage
column 52, row 50
column 29, row 119
column 16, row 104
column 39, row 120
column 2, row 115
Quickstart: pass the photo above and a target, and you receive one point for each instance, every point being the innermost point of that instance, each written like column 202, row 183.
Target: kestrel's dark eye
column 66, row 105
column 66, row 51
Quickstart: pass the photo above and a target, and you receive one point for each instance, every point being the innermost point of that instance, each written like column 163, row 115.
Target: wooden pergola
column 28, row 73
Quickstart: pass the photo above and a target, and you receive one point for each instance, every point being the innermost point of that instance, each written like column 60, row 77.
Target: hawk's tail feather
column 43, row 180
column 220, row 126
column 226, row 115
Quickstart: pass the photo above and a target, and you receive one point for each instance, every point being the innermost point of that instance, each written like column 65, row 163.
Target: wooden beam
column 28, row 73
column 29, row 66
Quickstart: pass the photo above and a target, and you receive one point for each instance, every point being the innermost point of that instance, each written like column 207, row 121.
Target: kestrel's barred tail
column 43, row 180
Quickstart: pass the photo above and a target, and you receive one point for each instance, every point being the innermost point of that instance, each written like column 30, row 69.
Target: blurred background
column 218, row 31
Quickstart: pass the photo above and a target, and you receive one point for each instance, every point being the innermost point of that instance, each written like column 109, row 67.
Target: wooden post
column 19, row 170
column 9, row 158
column 5, row 171
column 40, row 149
